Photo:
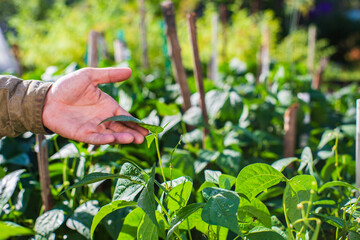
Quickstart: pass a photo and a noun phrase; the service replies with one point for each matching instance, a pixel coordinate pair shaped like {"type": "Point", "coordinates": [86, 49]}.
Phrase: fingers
{"type": "Point", "coordinates": [120, 128]}
{"type": "Point", "coordinates": [106, 138]}
{"type": "Point", "coordinates": [107, 75]}
{"type": "Point", "coordinates": [141, 130]}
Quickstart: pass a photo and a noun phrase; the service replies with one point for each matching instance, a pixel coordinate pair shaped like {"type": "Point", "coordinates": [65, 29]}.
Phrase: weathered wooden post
{"type": "Point", "coordinates": [317, 79]}
{"type": "Point", "coordinates": [357, 145]}
{"type": "Point", "coordinates": [145, 59]}
{"type": "Point", "coordinates": [43, 165]}
{"type": "Point", "coordinates": [103, 46]}
{"type": "Point", "coordinates": [197, 70]}
{"type": "Point", "coordinates": [213, 66]}
{"type": "Point", "coordinates": [290, 130]}
{"type": "Point", "coordinates": [311, 49]}
{"type": "Point", "coordinates": [93, 53]}
{"type": "Point", "coordinates": [264, 61]}
{"type": "Point", "coordinates": [168, 10]}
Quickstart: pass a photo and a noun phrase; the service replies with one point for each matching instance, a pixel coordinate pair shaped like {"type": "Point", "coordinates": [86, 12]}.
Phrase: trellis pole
{"type": "Point", "coordinates": [144, 46]}
{"type": "Point", "coordinates": [168, 10]}
{"type": "Point", "coordinates": [197, 70]}
{"type": "Point", "coordinates": [93, 53]}
{"type": "Point", "coordinates": [311, 49]}
{"type": "Point", "coordinates": [290, 130]}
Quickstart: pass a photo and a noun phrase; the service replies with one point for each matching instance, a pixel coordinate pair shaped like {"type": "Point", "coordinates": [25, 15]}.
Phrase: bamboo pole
{"type": "Point", "coordinates": [197, 70]}
{"type": "Point", "coordinates": [93, 53]}
{"type": "Point", "coordinates": [290, 130]}
{"type": "Point", "coordinates": [317, 80]}
{"type": "Point", "coordinates": [357, 145]}
{"type": "Point", "coordinates": [104, 49]}
{"type": "Point", "coordinates": [264, 61]}
{"type": "Point", "coordinates": [168, 10]}
{"type": "Point", "coordinates": [144, 46]}
{"type": "Point", "coordinates": [311, 49]}
{"type": "Point", "coordinates": [43, 165]}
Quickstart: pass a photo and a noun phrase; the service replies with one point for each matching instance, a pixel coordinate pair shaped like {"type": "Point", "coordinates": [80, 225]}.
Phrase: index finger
{"type": "Point", "coordinates": [108, 75]}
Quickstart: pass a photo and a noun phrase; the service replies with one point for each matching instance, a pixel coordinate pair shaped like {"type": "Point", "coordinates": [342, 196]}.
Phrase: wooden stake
{"type": "Point", "coordinates": [290, 130]}
{"type": "Point", "coordinates": [317, 80]}
{"type": "Point", "coordinates": [213, 68]}
{"type": "Point", "coordinates": [175, 52]}
{"type": "Point", "coordinates": [145, 60]}
{"type": "Point", "coordinates": [311, 49]}
{"type": "Point", "coordinates": [102, 43]}
{"type": "Point", "coordinates": [43, 165]}
{"type": "Point", "coordinates": [197, 70]}
{"type": "Point", "coordinates": [93, 53]}
{"type": "Point", "coordinates": [264, 65]}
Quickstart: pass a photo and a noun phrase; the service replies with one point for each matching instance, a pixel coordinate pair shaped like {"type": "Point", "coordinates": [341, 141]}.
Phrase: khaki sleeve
{"type": "Point", "coordinates": [21, 106]}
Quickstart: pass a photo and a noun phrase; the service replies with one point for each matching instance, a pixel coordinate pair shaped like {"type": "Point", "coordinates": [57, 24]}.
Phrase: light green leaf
{"type": "Point", "coordinates": [193, 116]}
{"type": "Point", "coordinates": [182, 215]}
{"type": "Point", "coordinates": [178, 197]}
{"type": "Point", "coordinates": [221, 210]}
{"type": "Point", "coordinates": [131, 223]}
{"type": "Point", "coordinates": [128, 189]}
{"type": "Point", "coordinates": [147, 230]}
{"type": "Point", "coordinates": [257, 177]}
{"type": "Point", "coordinates": [327, 136]}
{"type": "Point", "coordinates": [281, 164]}
{"type": "Point", "coordinates": [95, 177]}
{"type": "Point", "coordinates": [8, 186]}
{"type": "Point", "coordinates": [297, 192]}
{"type": "Point", "coordinates": [167, 109]}
{"type": "Point", "coordinates": [263, 233]}
{"type": "Point", "coordinates": [123, 118]}
{"type": "Point", "coordinates": [146, 199]}
{"type": "Point", "coordinates": [306, 160]}
{"type": "Point", "coordinates": [107, 209]}
{"type": "Point", "coordinates": [49, 221]}
{"type": "Point", "coordinates": [337, 184]}
{"type": "Point", "coordinates": [212, 176]}
{"type": "Point", "coordinates": [125, 100]}
{"type": "Point", "coordinates": [10, 229]}
{"type": "Point", "coordinates": [149, 139]}
{"type": "Point", "coordinates": [226, 181]}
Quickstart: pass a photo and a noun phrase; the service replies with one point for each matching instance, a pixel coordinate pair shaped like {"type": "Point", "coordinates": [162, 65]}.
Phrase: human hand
{"type": "Point", "coordinates": [74, 106]}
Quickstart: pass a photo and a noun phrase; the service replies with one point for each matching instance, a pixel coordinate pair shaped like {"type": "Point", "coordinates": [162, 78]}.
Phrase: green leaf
{"type": "Point", "coordinates": [229, 161]}
{"type": "Point", "coordinates": [146, 199]}
{"type": "Point", "coordinates": [193, 116]}
{"type": "Point", "coordinates": [95, 177]}
{"type": "Point", "coordinates": [306, 160]}
{"type": "Point", "coordinates": [332, 220]}
{"type": "Point", "coordinates": [149, 139]}
{"type": "Point", "coordinates": [147, 230]}
{"type": "Point", "coordinates": [226, 181]}
{"type": "Point", "coordinates": [212, 176]}
{"type": "Point", "coordinates": [131, 223]}
{"type": "Point", "coordinates": [221, 210]}
{"type": "Point", "coordinates": [8, 186]}
{"type": "Point", "coordinates": [257, 177]}
{"type": "Point", "coordinates": [10, 229]}
{"type": "Point", "coordinates": [298, 192]}
{"type": "Point", "coordinates": [128, 189]}
{"type": "Point", "coordinates": [82, 218]}
{"type": "Point", "coordinates": [327, 136]}
{"type": "Point", "coordinates": [167, 109]}
{"type": "Point", "coordinates": [337, 184]}
{"type": "Point", "coordinates": [182, 215]}
{"type": "Point", "coordinates": [49, 221]}
{"type": "Point", "coordinates": [123, 118]}
{"type": "Point", "coordinates": [281, 164]}
{"type": "Point", "coordinates": [253, 213]}
{"type": "Point", "coordinates": [263, 233]}
{"type": "Point", "coordinates": [178, 197]}
{"type": "Point", "coordinates": [107, 209]}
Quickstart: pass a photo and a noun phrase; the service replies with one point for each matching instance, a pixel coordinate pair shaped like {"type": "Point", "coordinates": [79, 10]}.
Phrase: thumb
{"type": "Point", "coordinates": [108, 75]}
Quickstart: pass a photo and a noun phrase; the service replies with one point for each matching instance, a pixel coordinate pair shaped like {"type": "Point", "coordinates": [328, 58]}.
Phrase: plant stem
{"type": "Point", "coordinates": [163, 208]}
{"type": "Point", "coordinates": [335, 149]}
{"type": "Point", "coordinates": [160, 163]}
{"type": "Point", "coordinates": [187, 220]}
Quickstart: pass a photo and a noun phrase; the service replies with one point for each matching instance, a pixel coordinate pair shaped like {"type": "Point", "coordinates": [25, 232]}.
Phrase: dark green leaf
{"type": "Point", "coordinates": [10, 229]}
{"type": "Point", "coordinates": [7, 186]}
{"type": "Point", "coordinates": [123, 118]}
{"type": "Point", "coordinates": [332, 220]}
{"type": "Point", "coordinates": [49, 221]}
{"type": "Point", "coordinates": [95, 177]}
{"type": "Point", "coordinates": [127, 189]}
{"type": "Point", "coordinates": [146, 199]}
{"type": "Point", "coordinates": [221, 210]}
{"type": "Point", "coordinates": [257, 177]}
{"type": "Point", "coordinates": [107, 209]}
{"type": "Point", "coordinates": [182, 215]}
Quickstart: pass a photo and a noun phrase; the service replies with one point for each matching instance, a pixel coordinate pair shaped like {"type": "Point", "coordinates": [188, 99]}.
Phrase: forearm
{"type": "Point", "coordinates": [21, 106]}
